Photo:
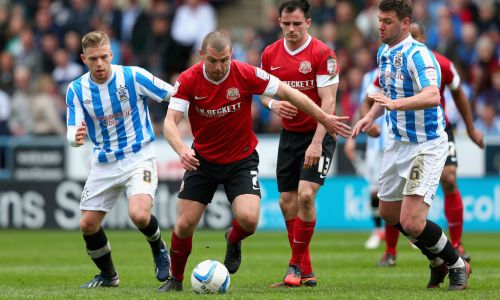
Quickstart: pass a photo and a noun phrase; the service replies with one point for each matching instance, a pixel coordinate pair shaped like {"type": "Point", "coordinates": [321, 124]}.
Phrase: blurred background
{"type": "Point", "coordinates": [41, 177]}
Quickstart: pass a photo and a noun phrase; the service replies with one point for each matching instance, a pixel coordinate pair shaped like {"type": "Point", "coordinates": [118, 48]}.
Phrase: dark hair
{"type": "Point", "coordinates": [403, 8]}
{"type": "Point", "coordinates": [292, 5]}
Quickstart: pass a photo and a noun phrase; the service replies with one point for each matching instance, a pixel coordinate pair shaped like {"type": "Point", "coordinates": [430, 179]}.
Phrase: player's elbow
{"type": "Point", "coordinates": [434, 97]}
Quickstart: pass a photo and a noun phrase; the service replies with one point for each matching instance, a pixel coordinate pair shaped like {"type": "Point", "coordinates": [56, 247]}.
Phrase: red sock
{"type": "Point", "coordinates": [290, 224]}
{"type": "Point", "coordinates": [302, 234]}
{"type": "Point", "coordinates": [237, 233]}
{"type": "Point", "coordinates": [454, 212]}
{"type": "Point", "coordinates": [391, 239]}
{"type": "Point", "coordinates": [179, 253]}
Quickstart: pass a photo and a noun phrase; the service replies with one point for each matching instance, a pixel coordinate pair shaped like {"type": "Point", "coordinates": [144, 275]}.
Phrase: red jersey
{"type": "Point", "coordinates": [311, 66]}
{"type": "Point", "coordinates": [220, 112]}
{"type": "Point", "coordinates": [449, 77]}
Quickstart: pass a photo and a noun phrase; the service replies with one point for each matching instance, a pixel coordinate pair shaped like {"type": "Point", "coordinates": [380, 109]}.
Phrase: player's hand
{"type": "Point", "coordinates": [81, 134]}
{"type": "Point", "coordinates": [313, 153]}
{"type": "Point", "coordinates": [335, 125]}
{"type": "Point", "coordinates": [383, 101]}
{"type": "Point", "coordinates": [374, 131]}
{"type": "Point", "coordinates": [477, 137]}
{"type": "Point", "coordinates": [188, 159]}
{"type": "Point", "coordinates": [350, 149]}
{"type": "Point", "coordinates": [284, 109]}
{"type": "Point", "coordinates": [363, 125]}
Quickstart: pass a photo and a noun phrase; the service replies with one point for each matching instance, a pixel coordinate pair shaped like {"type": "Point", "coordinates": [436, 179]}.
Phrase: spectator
{"type": "Point", "coordinates": [4, 114]}
{"type": "Point", "coordinates": [21, 121]}
{"type": "Point", "coordinates": [45, 107]}
{"type": "Point", "coordinates": [65, 71]}
{"type": "Point", "coordinates": [489, 121]}
{"type": "Point", "coordinates": [7, 72]}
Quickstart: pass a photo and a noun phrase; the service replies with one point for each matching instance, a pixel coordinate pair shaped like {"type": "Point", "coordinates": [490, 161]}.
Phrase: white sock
{"type": "Point", "coordinates": [459, 264]}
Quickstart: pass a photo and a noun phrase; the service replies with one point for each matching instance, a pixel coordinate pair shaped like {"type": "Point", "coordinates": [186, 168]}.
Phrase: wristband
{"type": "Point", "coordinates": [270, 104]}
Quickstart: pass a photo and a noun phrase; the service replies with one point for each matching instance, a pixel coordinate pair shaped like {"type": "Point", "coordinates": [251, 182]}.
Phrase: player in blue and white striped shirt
{"type": "Point", "coordinates": [415, 155]}
{"type": "Point", "coordinates": [109, 104]}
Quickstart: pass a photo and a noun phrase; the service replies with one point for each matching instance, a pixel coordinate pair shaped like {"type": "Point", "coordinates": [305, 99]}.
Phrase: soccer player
{"type": "Point", "coordinates": [453, 205]}
{"type": "Point", "coordinates": [375, 142]}
{"type": "Point", "coordinates": [305, 150]}
{"type": "Point", "coordinates": [109, 104]}
{"type": "Point", "coordinates": [415, 154]}
{"type": "Point", "coordinates": [217, 92]}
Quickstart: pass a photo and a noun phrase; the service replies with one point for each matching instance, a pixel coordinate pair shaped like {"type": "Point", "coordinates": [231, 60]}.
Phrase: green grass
{"type": "Point", "coordinates": [52, 265]}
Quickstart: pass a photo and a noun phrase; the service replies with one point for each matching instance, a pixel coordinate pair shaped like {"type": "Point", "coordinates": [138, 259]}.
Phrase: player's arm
{"type": "Point", "coordinates": [427, 98]}
{"type": "Point", "coordinates": [76, 127]}
{"type": "Point", "coordinates": [280, 107]}
{"type": "Point", "coordinates": [327, 95]}
{"type": "Point", "coordinates": [151, 86]}
{"type": "Point", "coordinates": [463, 107]}
{"type": "Point", "coordinates": [365, 124]}
{"type": "Point", "coordinates": [173, 136]}
{"type": "Point", "coordinates": [333, 124]}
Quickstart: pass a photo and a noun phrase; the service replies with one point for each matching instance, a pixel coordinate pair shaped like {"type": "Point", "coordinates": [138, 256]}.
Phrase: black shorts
{"type": "Point", "coordinates": [451, 160]}
{"type": "Point", "coordinates": [290, 165]}
{"type": "Point", "coordinates": [238, 178]}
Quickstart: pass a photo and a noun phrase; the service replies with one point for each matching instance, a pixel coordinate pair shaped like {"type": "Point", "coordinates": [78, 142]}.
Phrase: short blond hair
{"type": "Point", "coordinates": [95, 39]}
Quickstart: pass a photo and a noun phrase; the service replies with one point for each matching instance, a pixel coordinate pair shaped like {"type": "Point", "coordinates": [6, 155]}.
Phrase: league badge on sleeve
{"type": "Point", "coordinates": [331, 65]}
{"type": "Point", "coordinates": [122, 93]}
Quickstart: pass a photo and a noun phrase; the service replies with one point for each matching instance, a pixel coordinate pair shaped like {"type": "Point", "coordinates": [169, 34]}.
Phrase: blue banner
{"type": "Point", "coordinates": [344, 203]}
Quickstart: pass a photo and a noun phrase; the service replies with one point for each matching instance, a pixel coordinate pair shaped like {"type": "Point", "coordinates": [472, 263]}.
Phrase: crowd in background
{"type": "Point", "coordinates": [40, 50]}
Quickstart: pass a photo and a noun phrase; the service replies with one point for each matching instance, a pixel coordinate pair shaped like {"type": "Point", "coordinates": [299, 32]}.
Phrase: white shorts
{"type": "Point", "coordinates": [372, 168]}
{"type": "Point", "coordinates": [136, 173]}
{"type": "Point", "coordinates": [412, 169]}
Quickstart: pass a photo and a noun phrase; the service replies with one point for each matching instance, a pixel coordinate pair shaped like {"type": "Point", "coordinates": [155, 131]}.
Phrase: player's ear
{"type": "Point", "coordinates": [83, 58]}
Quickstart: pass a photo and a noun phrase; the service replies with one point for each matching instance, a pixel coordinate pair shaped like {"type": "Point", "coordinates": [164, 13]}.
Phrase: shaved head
{"type": "Point", "coordinates": [217, 40]}
{"type": "Point", "coordinates": [417, 31]}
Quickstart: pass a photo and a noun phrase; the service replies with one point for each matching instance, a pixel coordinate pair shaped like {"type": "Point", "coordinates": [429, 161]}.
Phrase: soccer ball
{"type": "Point", "coordinates": [210, 277]}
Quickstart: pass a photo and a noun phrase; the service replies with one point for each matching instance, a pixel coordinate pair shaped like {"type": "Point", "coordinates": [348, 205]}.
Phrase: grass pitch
{"type": "Point", "coordinates": [52, 265]}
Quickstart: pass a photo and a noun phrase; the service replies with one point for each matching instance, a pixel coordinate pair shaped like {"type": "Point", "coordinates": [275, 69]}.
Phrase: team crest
{"type": "Point", "coordinates": [398, 60]}
{"type": "Point", "coordinates": [305, 67]}
{"type": "Point", "coordinates": [122, 94]}
{"type": "Point", "coordinates": [331, 65]}
{"type": "Point", "coordinates": [233, 93]}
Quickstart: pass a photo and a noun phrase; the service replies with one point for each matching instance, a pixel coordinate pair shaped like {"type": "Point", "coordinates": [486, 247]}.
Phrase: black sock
{"type": "Point", "coordinates": [99, 250]}
{"type": "Point", "coordinates": [376, 215]}
{"type": "Point", "coordinates": [153, 235]}
{"type": "Point", "coordinates": [423, 249]}
{"type": "Point", "coordinates": [433, 238]}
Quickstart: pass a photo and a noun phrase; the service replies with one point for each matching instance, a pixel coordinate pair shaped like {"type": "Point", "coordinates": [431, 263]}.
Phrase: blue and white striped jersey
{"type": "Point", "coordinates": [367, 87]}
{"type": "Point", "coordinates": [116, 111]}
{"type": "Point", "coordinates": [405, 69]}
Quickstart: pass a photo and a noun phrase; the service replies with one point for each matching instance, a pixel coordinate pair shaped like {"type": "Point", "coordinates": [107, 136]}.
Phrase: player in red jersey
{"type": "Point", "coordinates": [453, 206]}
{"type": "Point", "coordinates": [219, 92]}
{"type": "Point", "coordinates": [305, 150]}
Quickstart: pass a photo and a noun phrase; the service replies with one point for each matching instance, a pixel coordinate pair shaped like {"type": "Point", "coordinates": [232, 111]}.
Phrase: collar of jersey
{"type": "Point", "coordinates": [298, 50]}
{"type": "Point", "coordinates": [212, 81]}
{"type": "Point", "coordinates": [409, 39]}
{"type": "Point", "coordinates": [107, 80]}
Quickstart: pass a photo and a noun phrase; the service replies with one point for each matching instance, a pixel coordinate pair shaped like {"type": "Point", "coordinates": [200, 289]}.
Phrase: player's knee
{"type": "Point", "coordinates": [449, 182]}
{"type": "Point", "coordinates": [306, 198]}
{"type": "Point", "coordinates": [140, 218]}
{"type": "Point", "coordinates": [185, 226]}
{"type": "Point", "coordinates": [89, 227]}
{"type": "Point", "coordinates": [248, 221]}
{"type": "Point", "coordinates": [413, 227]}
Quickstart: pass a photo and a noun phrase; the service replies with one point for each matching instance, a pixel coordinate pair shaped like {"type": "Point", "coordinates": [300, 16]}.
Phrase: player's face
{"type": "Point", "coordinates": [390, 28]}
{"type": "Point", "coordinates": [216, 63]}
{"type": "Point", "coordinates": [294, 25]}
{"type": "Point", "coordinates": [98, 60]}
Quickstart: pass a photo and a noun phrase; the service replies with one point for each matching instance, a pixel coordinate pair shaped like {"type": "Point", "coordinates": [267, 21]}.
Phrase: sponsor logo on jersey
{"type": "Point", "coordinates": [398, 60]}
{"type": "Point", "coordinates": [331, 65]}
{"type": "Point", "coordinates": [232, 93]}
{"type": "Point", "coordinates": [87, 101]}
{"type": "Point", "coordinates": [200, 97]}
{"type": "Point", "coordinates": [305, 67]}
{"type": "Point", "coordinates": [275, 68]}
{"type": "Point", "coordinates": [217, 113]}
{"type": "Point", "coordinates": [301, 85]}
{"type": "Point", "coordinates": [122, 94]}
